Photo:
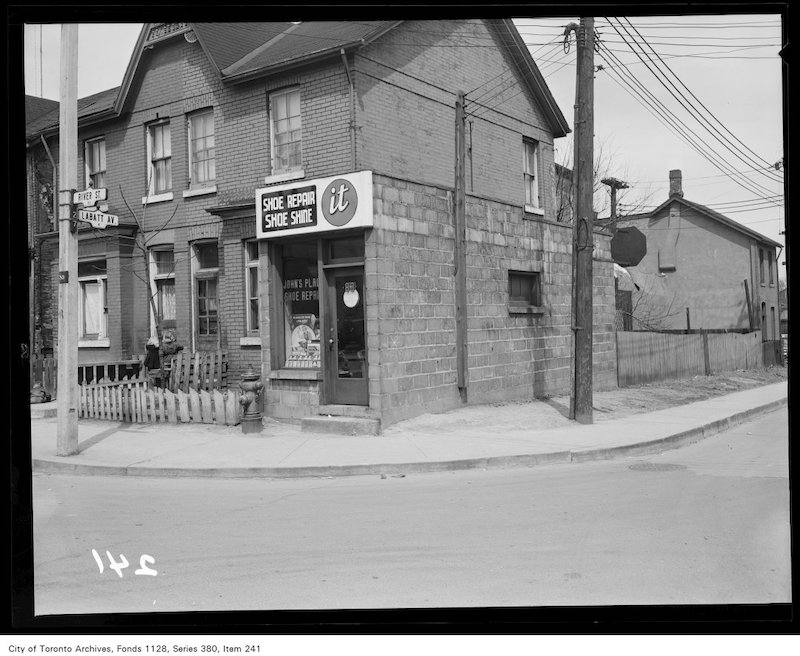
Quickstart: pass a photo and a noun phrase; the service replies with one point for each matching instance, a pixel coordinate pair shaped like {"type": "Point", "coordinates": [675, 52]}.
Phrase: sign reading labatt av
{"type": "Point", "coordinates": [311, 206]}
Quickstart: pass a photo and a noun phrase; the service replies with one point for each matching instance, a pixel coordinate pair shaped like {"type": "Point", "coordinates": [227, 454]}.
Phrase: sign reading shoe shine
{"type": "Point", "coordinates": [312, 206]}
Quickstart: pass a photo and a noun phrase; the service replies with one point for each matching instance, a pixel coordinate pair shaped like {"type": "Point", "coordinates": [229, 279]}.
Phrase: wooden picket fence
{"type": "Point", "coordinates": [201, 370]}
{"type": "Point", "coordinates": [135, 400]}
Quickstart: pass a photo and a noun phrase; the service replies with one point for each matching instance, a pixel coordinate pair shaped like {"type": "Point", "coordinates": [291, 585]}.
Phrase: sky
{"type": "Point", "coordinates": [714, 79]}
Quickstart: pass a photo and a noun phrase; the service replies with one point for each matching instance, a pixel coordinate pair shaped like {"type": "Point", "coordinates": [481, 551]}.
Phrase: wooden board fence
{"type": "Point", "coordinates": [206, 370]}
{"type": "Point", "coordinates": [648, 357]}
{"type": "Point", "coordinates": [137, 402]}
{"type": "Point", "coordinates": [644, 357]}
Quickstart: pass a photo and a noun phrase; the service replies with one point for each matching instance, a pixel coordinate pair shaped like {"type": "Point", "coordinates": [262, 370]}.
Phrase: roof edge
{"type": "Point", "coordinates": [541, 91]}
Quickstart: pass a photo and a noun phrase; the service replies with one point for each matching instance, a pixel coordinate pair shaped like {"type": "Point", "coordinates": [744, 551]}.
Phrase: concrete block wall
{"type": "Point", "coordinates": [411, 308]}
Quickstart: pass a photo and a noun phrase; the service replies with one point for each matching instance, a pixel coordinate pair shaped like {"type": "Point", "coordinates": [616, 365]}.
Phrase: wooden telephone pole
{"type": "Point", "coordinates": [67, 402]}
{"type": "Point", "coordinates": [460, 222]}
{"type": "Point", "coordinates": [583, 225]}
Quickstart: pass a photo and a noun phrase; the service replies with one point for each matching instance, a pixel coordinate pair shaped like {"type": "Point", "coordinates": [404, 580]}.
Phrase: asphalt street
{"type": "Point", "coordinates": [708, 523]}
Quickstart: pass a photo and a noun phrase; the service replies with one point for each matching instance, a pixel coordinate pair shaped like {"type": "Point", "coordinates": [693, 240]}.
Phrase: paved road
{"type": "Point", "coordinates": [704, 524]}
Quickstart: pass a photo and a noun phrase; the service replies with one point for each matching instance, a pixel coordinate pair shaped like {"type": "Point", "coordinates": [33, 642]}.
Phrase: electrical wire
{"type": "Point", "coordinates": [668, 118]}
{"type": "Point", "coordinates": [713, 116]}
{"type": "Point", "coordinates": [698, 117]}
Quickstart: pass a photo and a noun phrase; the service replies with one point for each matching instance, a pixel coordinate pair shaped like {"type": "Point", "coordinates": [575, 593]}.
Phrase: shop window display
{"type": "Point", "coordinates": [301, 305]}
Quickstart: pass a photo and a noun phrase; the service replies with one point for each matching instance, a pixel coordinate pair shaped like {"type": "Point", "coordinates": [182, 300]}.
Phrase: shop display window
{"type": "Point", "coordinates": [300, 283]}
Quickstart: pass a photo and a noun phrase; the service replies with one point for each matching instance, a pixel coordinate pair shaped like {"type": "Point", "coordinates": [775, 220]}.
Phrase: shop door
{"type": "Point", "coordinates": [346, 379]}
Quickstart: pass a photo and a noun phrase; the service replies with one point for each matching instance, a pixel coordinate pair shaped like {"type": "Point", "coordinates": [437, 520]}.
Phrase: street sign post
{"type": "Point", "coordinates": [89, 196]}
{"type": "Point", "coordinates": [98, 219]}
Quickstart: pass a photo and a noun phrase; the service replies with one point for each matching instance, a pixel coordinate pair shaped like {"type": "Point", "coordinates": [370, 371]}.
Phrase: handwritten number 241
{"type": "Point", "coordinates": [143, 570]}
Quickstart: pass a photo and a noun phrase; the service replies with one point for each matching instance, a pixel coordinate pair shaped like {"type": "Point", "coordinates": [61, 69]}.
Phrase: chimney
{"type": "Point", "coordinates": [675, 183]}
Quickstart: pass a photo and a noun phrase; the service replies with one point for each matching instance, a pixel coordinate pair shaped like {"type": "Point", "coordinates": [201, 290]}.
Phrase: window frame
{"type": "Point", "coordinates": [154, 192]}
{"type": "Point", "coordinates": [250, 295]}
{"type": "Point", "coordinates": [536, 207]}
{"type": "Point", "coordinates": [520, 305]}
{"type": "Point", "coordinates": [275, 169]}
{"type": "Point", "coordinates": [88, 161]}
{"type": "Point", "coordinates": [101, 338]}
{"type": "Point", "coordinates": [203, 274]}
{"type": "Point", "coordinates": [194, 183]}
{"type": "Point", "coordinates": [155, 278]}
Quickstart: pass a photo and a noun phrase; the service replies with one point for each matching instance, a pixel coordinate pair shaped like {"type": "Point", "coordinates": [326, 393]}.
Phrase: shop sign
{"type": "Point", "coordinates": [314, 206]}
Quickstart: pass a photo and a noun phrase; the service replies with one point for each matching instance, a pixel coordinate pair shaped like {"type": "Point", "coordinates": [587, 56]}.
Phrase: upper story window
{"type": "Point", "coordinates": [771, 268]}
{"type": "Point", "coordinates": [286, 131]}
{"type": "Point", "coordinates": [159, 158]}
{"type": "Point", "coordinates": [202, 164]}
{"type": "Point", "coordinates": [531, 176]}
{"type": "Point", "coordinates": [95, 159]}
{"type": "Point", "coordinates": [761, 265]}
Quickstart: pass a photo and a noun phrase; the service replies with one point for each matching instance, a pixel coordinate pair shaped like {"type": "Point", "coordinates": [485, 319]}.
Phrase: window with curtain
{"type": "Point", "coordinates": [202, 163]}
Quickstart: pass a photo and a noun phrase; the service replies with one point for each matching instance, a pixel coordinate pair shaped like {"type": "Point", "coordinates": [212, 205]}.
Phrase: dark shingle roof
{"type": "Point", "coordinates": [88, 106]}
{"type": "Point", "coordinates": [227, 43]}
{"type": "Point", "coordinates": [308, 39]}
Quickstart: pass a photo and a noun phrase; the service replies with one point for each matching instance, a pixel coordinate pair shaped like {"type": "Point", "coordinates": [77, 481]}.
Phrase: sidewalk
{"type": "Point", "coordinates": [483, 437]}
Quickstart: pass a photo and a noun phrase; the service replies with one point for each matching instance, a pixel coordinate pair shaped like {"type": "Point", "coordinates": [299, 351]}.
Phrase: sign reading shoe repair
{"type": "Point", "coordinates": [314, 206]}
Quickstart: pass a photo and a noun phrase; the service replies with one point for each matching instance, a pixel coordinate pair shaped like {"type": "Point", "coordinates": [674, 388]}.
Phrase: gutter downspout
{"type": "Point", "coordinates": [55, 172]}
{"type": "Point", "coordinates": [351, 82]}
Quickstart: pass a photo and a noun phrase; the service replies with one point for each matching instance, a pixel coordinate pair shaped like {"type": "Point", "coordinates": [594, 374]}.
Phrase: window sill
{"type": "Point", "coordinates": [536, 310]}
{"type": "Point", "coordinates": [94, 343]}
{"type": "Point", "coordinates": [295, 374]}
{"type": "Point", "coordinates": [284, 177]}
{"type": "Point", "coordinates": [530, 209]}
{"type": "Point", "coordinates": [250, 340]}
{"type": "Point", "coordinates": [200, 191]}
{"type": "Point", "coordinates": [156, 198]}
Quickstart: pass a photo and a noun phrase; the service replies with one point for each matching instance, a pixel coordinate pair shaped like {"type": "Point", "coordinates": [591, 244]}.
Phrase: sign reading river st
{"type": "Point", "coordinates": [312, 206]}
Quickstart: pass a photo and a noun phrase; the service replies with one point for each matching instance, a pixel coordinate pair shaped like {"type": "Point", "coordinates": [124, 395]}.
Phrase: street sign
{"type": "Point", "coordinates": [628, 246]}
{"type": "Point", "coordinates": [98, 219]}
{"type": "Point", "coordinates": [90, 196]}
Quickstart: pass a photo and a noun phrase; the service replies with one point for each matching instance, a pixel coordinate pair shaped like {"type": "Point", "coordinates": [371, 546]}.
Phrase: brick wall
{"type": "Point", "coordinates": [406, 117]}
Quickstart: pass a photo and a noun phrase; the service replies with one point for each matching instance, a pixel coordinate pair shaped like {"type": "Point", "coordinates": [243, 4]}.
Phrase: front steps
{"type": "Point", "coordinates": [342, 420]}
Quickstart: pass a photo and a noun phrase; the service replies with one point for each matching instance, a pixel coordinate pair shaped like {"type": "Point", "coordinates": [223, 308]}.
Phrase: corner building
{"type": "Point", "coordinates": [312, 167]}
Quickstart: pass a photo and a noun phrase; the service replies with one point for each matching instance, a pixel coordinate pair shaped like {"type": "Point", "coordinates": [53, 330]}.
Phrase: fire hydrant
{"type": "Point", "coordinates": [251, 387]}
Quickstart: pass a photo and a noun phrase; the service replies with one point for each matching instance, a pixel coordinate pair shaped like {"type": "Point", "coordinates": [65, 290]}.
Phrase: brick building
{"type": "Point", "coordinates": [285, 193]}
{"type": "Point", "coordinates": [704, 266]}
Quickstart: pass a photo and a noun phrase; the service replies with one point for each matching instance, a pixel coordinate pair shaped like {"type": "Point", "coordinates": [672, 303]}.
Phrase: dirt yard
{"type": "Point", "coordinates": [610, 404]}
{"type": "Point", "coordinates": [625, 401]}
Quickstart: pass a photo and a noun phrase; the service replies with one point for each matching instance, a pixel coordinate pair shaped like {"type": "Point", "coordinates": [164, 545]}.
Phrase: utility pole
{"type": "Point", "coordinates": [67, 407]}
{"type": "Point", "coordinates": [460, 222]}
{"type": "Point", "coordinates": [583, 233]}
{"type": "Point", "coordinates": [614, 184]}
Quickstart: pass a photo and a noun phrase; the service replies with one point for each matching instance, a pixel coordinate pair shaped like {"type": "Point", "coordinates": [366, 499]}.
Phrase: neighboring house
{"type": "Point", "coordinates": [294, 186]}
{"type": "Point", "coordinates": [703, 270]}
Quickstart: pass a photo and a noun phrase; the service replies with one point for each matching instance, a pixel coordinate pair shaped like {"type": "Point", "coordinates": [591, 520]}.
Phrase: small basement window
{"type": "Point", "coordinates": [524, 292]}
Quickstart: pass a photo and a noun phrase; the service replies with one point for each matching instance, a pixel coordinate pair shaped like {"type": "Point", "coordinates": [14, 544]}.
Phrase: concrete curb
{"type": "Point", "coordinates": [675, 441]}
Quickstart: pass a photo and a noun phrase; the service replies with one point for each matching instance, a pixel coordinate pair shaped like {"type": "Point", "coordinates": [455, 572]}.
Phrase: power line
{"type": "Point", "coordinates": [720, 123]}
{"type": "Point", "coordinates": [693, 112]}
{"type": "Point", "coordinates": [673, 122]}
